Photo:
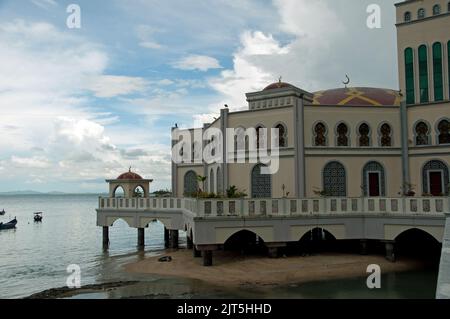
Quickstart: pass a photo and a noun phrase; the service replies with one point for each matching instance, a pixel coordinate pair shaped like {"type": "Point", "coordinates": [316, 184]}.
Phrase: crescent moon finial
{"type": "Point", "coordinates": [347, 81]}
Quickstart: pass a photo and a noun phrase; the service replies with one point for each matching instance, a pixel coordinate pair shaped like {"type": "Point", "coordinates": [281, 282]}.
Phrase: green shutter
{"type": "Point", "coordinates": [437, 72]}
{"type": "Point", "coordinates": [448, 58]}
{"type": "Point", "coordinates": [409, 76]}
{"type": "Point", "coordinates": [423, 74]}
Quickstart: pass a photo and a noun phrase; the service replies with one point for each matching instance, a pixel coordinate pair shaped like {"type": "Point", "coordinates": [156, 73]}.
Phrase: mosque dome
{"type": "Point", "coordinates": [358, 96]}
{"type": "Point", "coordinates": [129, 175]}
{"type": "Point", "coordinates": [277, 85]}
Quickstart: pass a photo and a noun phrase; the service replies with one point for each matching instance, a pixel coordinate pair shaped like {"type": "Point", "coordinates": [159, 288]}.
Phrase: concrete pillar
{"type": "Point", "coordinates": [273, 252]}
{"type": "Point", "coordinates": [166, 238]}
{"type": "Point", "coordinates": [363, 247]}
{"type": "Point", "coordinates": [390, 251]}
{"type": "Point", "coordinates": [105, 237]}
{"type": "Point", "coordinates": [141, 237]}
{"type": "Point", "coordinates": [173, 238]}
{"type": "Point", "coordinates": [207, 258]}
{"type": "Point", "coordinates": [443, 285]}
{"type": "Point", "coordinates": [196, 253]}
{"type": "Point", "coordinates": [189, 242]}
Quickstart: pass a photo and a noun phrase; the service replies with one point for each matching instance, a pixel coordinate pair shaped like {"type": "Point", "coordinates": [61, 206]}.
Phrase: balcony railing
{"type": "Point", "coordinates": [281, 206]}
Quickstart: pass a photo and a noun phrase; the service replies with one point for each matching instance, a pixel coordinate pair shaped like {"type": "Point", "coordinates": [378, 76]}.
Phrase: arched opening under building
{"type": "Point", "coordinates": [417, 244]}
{"type": "Point", "coordinates": [246, 243]}
{"type": "Point", "coordinates": [317, 240]}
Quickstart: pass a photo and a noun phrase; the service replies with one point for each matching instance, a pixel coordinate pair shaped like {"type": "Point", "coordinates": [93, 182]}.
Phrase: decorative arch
{"type": "Point", "coordinates": [421, 13]}
{"type": "Point", "coordinates": [261, 184]}
{"type": "Point", "coordinates": [282, 134]}
{"type": "Point", "coordinates": [190, 183]}
{"type": "Point", "coordinates": [423, 74]}
{"type": "Point", "coordinates": [364, 134]}
{"type": "Point", "coordinates": [227, 234]}
{"type": "Point", "coordinates": [211, 181]}
{"type": "Point", "coordinates": [115, 191]}
{"type": "Point", "coordinates": [334, 179]}
{"type": "Point", "coordinates": [342, 134]}
{"type": "Point", "coordinates": [409, 76]}
{"type": "Point", "coordinates": [144, 192]}
{"type": "Point", "coordinates": [129, 220]}
{"type": "Point", "coordinates": [436, 9]}
{"type": "Point", "coordinates": [374, 179]}
{"type": "Point", "coordinates": [407, 16]}
{"type": "Point", "coordinates": [385, 134]}
{"type": "Point", "coordinates": [436, 232]}
{"type": "Point", "coordinates": [443, 131]}
{"type": "Point", "coordinates": [435, 178]}
{"type": "Point", "coordinates": [421, 133]}
{"type": "Point", "coordinates": [320, 132]}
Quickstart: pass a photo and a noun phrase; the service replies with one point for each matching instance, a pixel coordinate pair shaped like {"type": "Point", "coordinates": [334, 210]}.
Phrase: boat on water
{"type": "Point", "coordinates": [38, 217]}
{"type": "Point", "coordinates": [2, 212]}
{"type": "Point", "coordinates": [10, 225]}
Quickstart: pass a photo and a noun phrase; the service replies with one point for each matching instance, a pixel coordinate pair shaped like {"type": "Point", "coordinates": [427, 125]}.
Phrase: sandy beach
{"type": "Point", "coordinates": [231, 269]}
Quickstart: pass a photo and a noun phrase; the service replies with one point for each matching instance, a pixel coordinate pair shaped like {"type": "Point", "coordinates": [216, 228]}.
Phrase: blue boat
{"type": "Point", "coordinates": [10, 225]}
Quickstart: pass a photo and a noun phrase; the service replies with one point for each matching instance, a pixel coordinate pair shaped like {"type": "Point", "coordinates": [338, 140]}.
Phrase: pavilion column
{"type": "Point", "coordinates": [174, 238]}
{"type": "Point", "coordinates": [189, 242]}
{"type": "Point", "coordinates": [166, 238]}
{"type": "Point", "coordinates": [141, 237]}
{"type": "Point", "coordinates": [196, 253]}
{"type": "Point", "coordinates": [105, 237]}
{"type": "Point", "coordinates": [363, 246]}
{"type": "Point", "coordinates": [390, 255]}
{"type": "Point", "coordinates": [273, 249]}
{"type": "Point", "coordinates": [207, 258]}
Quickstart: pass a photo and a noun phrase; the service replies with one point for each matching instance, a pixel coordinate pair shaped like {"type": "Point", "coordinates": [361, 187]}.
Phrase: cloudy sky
{"type": "Point", "coordinates": [81, 105]}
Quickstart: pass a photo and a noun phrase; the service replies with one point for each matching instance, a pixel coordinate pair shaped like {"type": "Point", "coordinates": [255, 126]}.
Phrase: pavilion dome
{"type": "Point", "coordinates": [129, 175]}
{"type": "Point", "coordinates": [277, 85]}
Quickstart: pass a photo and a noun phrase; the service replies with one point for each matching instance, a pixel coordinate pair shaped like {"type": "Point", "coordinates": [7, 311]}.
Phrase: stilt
{"type": "Point", "coordinates": [273, 252]}
{"type": "Point", "coordinates": [189, 242]}
{"type": "Point", "coordinates": [207, 258]}
{"type": "Point", "coordinates": [105, 237]}
{"type": "Point", "coordinates": [166, 238]}
{"type": "Point", "coordinates": [141, 237]}
{"type": "Point", "coordinates": [390, 255]}
{"type": "Point", "coordinates": [363, 246]}
{"type": "Point", "coordinates": [174, 238]}
{"type": "Point", "coordinates": [197, 253]}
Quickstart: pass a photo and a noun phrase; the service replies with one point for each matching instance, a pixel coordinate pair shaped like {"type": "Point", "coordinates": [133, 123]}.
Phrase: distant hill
{"type": "Point", "coordinates": [28, 192]}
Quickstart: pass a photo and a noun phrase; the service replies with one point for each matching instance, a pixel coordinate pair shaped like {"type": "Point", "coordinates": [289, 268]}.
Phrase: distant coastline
{"type": "Point", "coordinates": [26, 193]}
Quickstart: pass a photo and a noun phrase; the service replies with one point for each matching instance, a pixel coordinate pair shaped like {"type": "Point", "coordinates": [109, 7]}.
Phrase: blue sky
{"type": "Point", "coordinates": [81, 105]}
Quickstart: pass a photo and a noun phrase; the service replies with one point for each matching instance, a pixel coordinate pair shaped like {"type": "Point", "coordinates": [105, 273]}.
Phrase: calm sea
{"type": "Point", "coordinates": [34, 257]}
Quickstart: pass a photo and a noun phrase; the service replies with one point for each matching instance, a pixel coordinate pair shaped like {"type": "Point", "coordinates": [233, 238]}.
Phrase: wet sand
{"type": "Point", "coordinates": [231, 269]}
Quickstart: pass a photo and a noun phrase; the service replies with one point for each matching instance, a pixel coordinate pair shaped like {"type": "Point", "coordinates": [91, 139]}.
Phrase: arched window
{"type": "Point", "coordinates": [190, 183]}
{"type": "Point", "coordinates": [423, 74]}
{"type": "Point", "coordinates": [374, 183]}
{"type": "Point", "coordinates": [409, 76]}
{"type": "Point", "coordinates": [385, 132]}
{"type": "Point", "coordinates": [437, 72]}
{"type": "Point", "coordinates": [211, 181]}
{"type": "Point", "coordinates": [261, 183]}
{"type": "Point", "coordinates": [118, 192]}
{"type": "Point", "coordinates": [421, 13]}
{"type": "Point", "coordinates": [407, 16]}
{"type": "Point", "coordinates": [320, 134]}
{"type": "Point", "coordinates": [422, 134]}
{"type": "Point", "coordinates": [334, 180]}
{"type": "Point", "coordinates": [260, 137]}
{"type": "Point", "coordinates": [436, 9]}
{"type": "Point", "coordinates": [219, 181]}
{"type": "Point", "coordinates": [342, 135]}
{"type": "Point", "coordinates": [139, 191]}
{"type": "Point", "coordinates": [364, 134]}
{"type": "Point", "coordinates": [448, 7]}
{"type": "Point", "coordinates": [282, 135]}
{"type": "Point", "coordinates": [435, 178]}
{"type": "Point", "coordinates": [239, 139]}
{"type": "Point", "coordinates": [444, 132]}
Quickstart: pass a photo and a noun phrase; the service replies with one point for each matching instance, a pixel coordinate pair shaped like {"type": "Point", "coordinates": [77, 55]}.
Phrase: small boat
{"type": "Point", "coordinates": [38, 217]}
{"type": "Point", "coordinates": [10, 225]}
{"type": "Point", "coordinates": [2, 212]}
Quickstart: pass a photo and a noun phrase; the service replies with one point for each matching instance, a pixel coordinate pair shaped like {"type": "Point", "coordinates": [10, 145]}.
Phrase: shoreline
{"type": "Point", "coordinates": [232, 270]}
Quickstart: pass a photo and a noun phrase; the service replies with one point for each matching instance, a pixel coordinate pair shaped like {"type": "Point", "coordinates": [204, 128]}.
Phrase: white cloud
{"type": "Point", "coordinates": [45, 3]}
{"type": "Point", "coordinates": [197, 62]}
{"type": "Point", "coordinates": [257, 43]}
{"type": "Point", "coordinates": [111, 86]}
{"type": "Point", "coordinates": [30, 162]}
{"type": "Point", "coordinates": [146, 34]}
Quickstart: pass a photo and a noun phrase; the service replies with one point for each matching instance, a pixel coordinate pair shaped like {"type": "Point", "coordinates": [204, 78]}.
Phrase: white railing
{"type": "Point", "coordinates": [282, 206]}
